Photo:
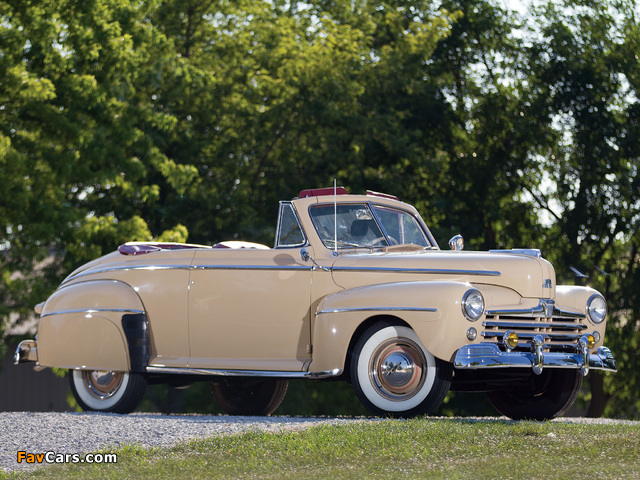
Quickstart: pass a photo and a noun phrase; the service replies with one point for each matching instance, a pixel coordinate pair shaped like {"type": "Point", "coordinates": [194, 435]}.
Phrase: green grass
{"type": "Point", "coordinates": [423, 448]}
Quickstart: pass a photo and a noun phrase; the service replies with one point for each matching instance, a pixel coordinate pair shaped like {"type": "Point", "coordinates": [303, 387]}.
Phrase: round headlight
{"type": "Point", "coordinates": [472, 305]}
{"type": "Point", "coordinates": [596, 308]}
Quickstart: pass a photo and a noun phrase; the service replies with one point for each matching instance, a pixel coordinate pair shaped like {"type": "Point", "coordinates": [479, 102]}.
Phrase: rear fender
{"type": "Point", "coordinates": [97, 325]}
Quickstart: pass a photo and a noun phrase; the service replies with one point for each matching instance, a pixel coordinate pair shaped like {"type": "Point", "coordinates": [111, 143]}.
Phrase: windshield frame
{"type": "Point", "coordinates": [371, 207]}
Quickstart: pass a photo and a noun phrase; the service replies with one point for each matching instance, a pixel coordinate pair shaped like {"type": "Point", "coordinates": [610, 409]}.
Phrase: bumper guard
{"type": "Point", "coordinates": [26, 351]}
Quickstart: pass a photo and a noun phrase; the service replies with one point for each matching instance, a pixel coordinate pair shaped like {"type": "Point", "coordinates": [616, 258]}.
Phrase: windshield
{"type": "Point", "coordinates": [366, 225]}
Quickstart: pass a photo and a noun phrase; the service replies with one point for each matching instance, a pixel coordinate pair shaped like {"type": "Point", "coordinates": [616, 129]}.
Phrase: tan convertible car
{"type": "Point", "coordinates": [355, 288]}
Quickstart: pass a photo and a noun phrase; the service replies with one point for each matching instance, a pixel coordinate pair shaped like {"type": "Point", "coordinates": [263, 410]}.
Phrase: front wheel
{"type": "Point", "coordinates": [393, 373]}
{"type": "Point", "coordinates": [106, 390]}
{"type": "Point", "coordinates": [247, 396]}
{"type": "Point", "coordinates": [542, 397]}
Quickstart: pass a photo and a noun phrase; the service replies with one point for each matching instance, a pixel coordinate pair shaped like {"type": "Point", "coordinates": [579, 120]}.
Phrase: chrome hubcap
{"type": "Point", "coordinates": [102, 383]}
{"type": "Point", "coordinates": [397, 369]}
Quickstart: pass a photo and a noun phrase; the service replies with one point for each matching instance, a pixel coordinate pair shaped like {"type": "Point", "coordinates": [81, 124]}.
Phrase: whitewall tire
{"type": "Point", "coordinates": [393, 373]}
{"type": "Point", "coordinates": [107, 391]}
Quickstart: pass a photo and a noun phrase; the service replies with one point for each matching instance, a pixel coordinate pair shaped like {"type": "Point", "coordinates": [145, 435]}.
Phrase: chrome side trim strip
{"type": "Point", "coordinates": [126, 268]}
{"type": "Point", "coordinates": [425, 271]}
{"type": "Point", "coordinates": [243, 373]}
{"type": "Point", "coordinates": [377, 309]}
{"type": "Point", "coordinates": [531, 252]}
{"type": "Point", "coordinates": [93, 310]}
{"type": "Point", "coordinates": [251, 267]}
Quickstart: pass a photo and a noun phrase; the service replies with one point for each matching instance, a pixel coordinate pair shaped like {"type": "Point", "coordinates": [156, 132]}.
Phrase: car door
{"type": "Point", "coordinates": [249, 310]}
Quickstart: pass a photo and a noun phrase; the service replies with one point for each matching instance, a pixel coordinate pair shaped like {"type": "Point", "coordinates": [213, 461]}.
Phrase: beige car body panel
{"type": "Point", "coordinates": [80, 326]}
{"type": "Point", "coordinates": [269, 310]}
{"type": "Point", "coordinates": [249, 309]}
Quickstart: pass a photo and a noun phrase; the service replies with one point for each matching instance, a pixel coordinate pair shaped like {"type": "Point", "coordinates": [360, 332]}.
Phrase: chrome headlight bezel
{"type": "Point", "coordinates": [596, 309]}
{"type": "Point", "coordinates": [473, 305]}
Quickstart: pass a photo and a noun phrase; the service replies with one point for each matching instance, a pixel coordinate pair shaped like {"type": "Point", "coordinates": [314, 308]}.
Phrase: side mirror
{"type": "Point", "coordinates": [306, 256]}
{"type": "Point", "coordinates": [456, 243]}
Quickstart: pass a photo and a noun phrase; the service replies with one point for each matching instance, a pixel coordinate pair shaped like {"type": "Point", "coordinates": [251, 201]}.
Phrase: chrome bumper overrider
{"type": "Point", "coordinates": [489, 355]}
{"type": "Point", "coordinates": [26, 351]}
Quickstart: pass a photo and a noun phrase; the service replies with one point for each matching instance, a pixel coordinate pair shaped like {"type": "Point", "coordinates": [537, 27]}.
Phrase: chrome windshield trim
{"type": "Point", "coordinates": [93, 310]}
{"type": "Point", "coordinates": [242, 373]}
{"type": "Point", "coordinates": [424, 271]}
{"type": "Point", "coordinates": [546, 308]}
{"type": "Point", "coordinates": [378, 309]}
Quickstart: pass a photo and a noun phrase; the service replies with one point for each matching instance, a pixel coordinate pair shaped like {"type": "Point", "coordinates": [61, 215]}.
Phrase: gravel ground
{"type": "Point", "coordinates": [89, 432]}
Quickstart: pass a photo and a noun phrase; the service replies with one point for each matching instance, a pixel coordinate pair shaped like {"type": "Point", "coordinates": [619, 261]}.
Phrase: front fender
{"type": "Point", "coordinates": [97, 325]}
{"type": "Point", "coordinates": [574, 297]}
{"type": "Point", "coordinates": [432, 309]}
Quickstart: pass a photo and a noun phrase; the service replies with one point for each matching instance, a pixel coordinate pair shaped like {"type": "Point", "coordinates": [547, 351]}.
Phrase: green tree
{"type": "Point", "coordinates": [75, 158]}
{"type": "Point", "coordinates": [583, 80]}
{"type": "Point", "coordinates": [123, 120]}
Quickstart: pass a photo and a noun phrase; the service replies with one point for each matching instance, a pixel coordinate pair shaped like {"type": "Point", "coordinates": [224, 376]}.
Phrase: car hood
{"type": "Point", "coordinates": [526, 273]}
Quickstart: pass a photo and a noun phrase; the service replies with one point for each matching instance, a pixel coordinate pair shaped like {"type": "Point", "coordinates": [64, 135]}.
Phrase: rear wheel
{"type": "Point", "coordinates": [106, 390]}
{"type": "Point", "coordinates": [543, 397]}
{"type": "Point", "coordinates": [240, 396]}
{"type": "Point", "coordinates": [394, 374]}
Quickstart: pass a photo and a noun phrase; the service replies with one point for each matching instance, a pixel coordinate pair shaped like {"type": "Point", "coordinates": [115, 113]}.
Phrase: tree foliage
{"type": "Point", "coordinates": [123, 120]}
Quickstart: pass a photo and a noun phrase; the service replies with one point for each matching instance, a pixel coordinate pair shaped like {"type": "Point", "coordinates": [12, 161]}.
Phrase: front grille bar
{"type": "Point", "coordinates": [553, 337]}
{"type": "Point", "coordinates": [545, 308]}
{"type": "Point", "coordinates": [545, 326]}
{"type": "Point", "coordinates": [517, 325]}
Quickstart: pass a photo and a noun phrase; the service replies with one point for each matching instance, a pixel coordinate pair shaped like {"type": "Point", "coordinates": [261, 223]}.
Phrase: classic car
{"type": "Point", "coordinates": [355, 288]}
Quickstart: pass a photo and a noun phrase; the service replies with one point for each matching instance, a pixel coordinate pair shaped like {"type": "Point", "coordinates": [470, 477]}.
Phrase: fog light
{"type": "Point", "coordinates": [472, 333]}
{"type": "Point", "coordinates": [510, 339]}
{"type": "Point", "coordinates": [591, 341]}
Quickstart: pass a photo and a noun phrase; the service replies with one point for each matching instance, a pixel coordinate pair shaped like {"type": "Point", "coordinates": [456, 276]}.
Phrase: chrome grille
{"type": "Point", "coordinates": [559, 334]}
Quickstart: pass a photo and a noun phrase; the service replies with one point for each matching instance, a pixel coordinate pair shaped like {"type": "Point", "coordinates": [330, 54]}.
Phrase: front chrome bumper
{"type": "Point", "coordinates": [489, 355]}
